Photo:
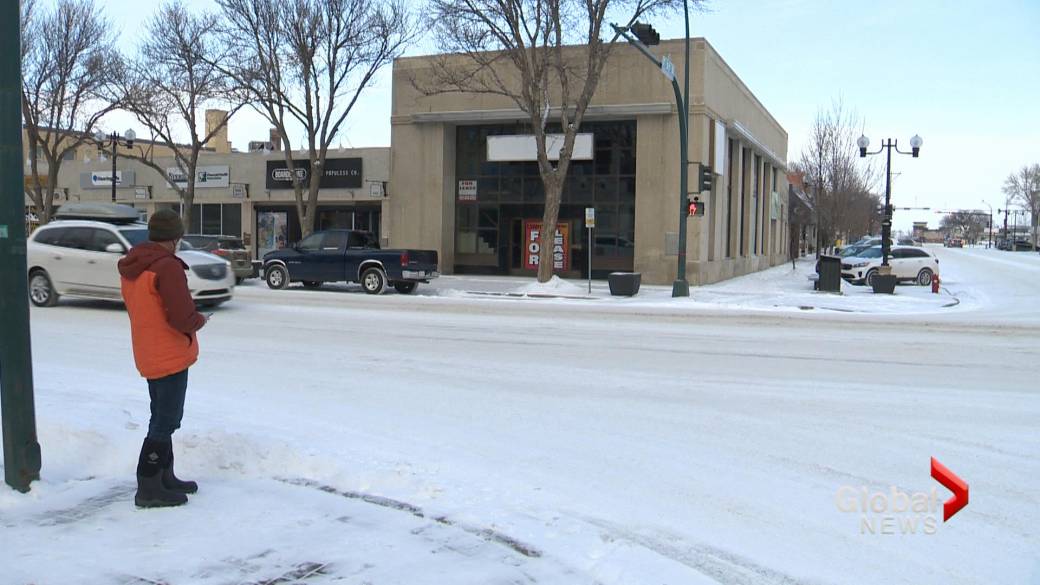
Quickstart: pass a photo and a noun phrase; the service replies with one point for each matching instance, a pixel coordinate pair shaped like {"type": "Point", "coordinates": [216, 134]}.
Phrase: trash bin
{"type": "Point", "coordinates": [624, 284]}
{"type": "Point", "coordinates": [830, 274]}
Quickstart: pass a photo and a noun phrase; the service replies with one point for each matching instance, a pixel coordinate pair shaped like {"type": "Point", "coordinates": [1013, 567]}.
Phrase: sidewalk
{"type": "Point", "coordinates": [780, 288]}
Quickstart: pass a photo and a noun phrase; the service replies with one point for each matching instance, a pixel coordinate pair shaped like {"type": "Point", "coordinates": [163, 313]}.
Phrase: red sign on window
{"type": "Point", "coordinates": [533, 245]}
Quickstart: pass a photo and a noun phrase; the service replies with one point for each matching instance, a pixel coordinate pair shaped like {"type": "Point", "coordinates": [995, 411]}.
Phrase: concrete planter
{"type": "Point", "coordinates": [624, 284]}
{"type": "Point", "coordinates": [884, 283]}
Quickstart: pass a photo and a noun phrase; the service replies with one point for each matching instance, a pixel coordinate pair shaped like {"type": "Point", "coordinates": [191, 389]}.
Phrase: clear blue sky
{"type": "Point", "coordinates": [963, 75]}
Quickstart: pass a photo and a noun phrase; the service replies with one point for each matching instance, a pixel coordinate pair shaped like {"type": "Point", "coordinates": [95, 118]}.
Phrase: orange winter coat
{"type": "Point", "coordinates": [163, 319]}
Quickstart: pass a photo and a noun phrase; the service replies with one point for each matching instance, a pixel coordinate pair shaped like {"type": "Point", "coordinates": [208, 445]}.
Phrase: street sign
{"type": "Point", "coordinates": [668, 68]}
{"type": "Point", "coordinates": [590, 217]}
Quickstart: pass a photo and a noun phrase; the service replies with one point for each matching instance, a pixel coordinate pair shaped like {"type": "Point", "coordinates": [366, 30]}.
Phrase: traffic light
{"type": "Point", "coordinates": [646, 34]}
{"type": "Point", "coordinates": [695, 207]}
{"type": "Point", "coordinates": [705, 178]}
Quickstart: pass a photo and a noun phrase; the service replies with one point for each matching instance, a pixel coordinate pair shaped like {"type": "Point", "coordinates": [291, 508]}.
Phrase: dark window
{"type": "Point", "coordinates": [103, 239]}
{"type": "Point", "coordinates": [311, 243]}
{"type": "Point", "coordinates": [358, 240]}
{"type": "Point", "coordinates": [919, 254]}
{"type": "Point", "coordinates": [334, 241]}
{"type": "Point", "coordinates": [78, 239]}
{"type": "Point", "coordinates": [231, 219]}
{"type": "Point", "coordinates": [135, 235]}
{"type": "Point", "coordinates": [51, 236]}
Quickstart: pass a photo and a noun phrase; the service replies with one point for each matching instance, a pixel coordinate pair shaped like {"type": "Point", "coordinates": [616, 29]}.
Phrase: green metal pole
{"type": "Point", "coordinates": [681, 287]}
{"type": "Point", "coordinates": [21, 450]}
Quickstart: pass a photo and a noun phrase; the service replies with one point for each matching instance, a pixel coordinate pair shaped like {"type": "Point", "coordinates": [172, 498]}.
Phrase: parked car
{"type": "Point", "coordinates": [1021, 245]}
{"type": "Point", "coordinates": [349, 256]}
{"type": "Point", "coordinates": [76, 255]}
{"type": "Point", "coordinates": [229, 248]}
{"type": "Point", "coordinates": [954, 243]}
{"type": "Point", "coordinates": [909, 264]}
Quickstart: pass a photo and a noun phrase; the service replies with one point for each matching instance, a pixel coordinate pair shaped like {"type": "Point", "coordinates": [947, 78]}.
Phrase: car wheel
{"type": "Point", "coordinates": [41, 291]}
{"type": "Point", "coordinates": [277, 277]}
{"type": "Point", "coordinates": [312, 283]}
{"type": "Point", "coordinates": [924, 277]}
{"type": "Point", "coordinates": [373, 281]}
{"type": "Point", "coordinates": [869, 278]}
{"type": "Point", "coordinates": [405, 288]}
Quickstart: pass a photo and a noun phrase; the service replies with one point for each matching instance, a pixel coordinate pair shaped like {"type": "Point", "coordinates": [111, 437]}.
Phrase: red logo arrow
{"type": "Point", "coordinates": [952, 483]}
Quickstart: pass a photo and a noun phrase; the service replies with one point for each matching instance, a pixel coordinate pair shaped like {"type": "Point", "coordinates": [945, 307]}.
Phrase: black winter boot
{"type": "Point", "coordinates": [169, 480]}
{"type": "Point", "coordinates": [150, 490]}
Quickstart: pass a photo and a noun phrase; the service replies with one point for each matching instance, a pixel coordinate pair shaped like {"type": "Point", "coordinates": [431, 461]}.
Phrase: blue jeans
{"type": "Point", "coordinates": [167, 404]}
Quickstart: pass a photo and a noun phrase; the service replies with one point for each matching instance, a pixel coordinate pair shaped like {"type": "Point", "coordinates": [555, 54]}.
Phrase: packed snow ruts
{"type": "Point", "coordinates": [486, 534]}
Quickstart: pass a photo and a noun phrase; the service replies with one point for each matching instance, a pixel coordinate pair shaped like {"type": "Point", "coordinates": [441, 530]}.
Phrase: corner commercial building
{"type": "Point", "coordinates": [477, 208]}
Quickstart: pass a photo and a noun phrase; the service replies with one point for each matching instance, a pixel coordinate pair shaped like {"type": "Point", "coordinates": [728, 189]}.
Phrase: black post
{"type": "Point", "coordinates": [886, 220]}
{"type": "Point", "coordinates": [114, 146]}
{"type": "Point", "coordinates": [21, 449]}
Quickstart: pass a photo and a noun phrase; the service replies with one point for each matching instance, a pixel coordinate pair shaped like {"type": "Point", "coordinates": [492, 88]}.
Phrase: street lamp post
{"type": "Point", "coordinates": [639, 36]}
{"type": "Point", "coordinates": [115, 141]}
{"type": "Point", "coordinates": [886, 223]}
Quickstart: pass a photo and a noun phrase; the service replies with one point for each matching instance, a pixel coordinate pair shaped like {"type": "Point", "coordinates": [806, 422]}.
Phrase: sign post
{"type": "Point", "coordinates": [590, 223]}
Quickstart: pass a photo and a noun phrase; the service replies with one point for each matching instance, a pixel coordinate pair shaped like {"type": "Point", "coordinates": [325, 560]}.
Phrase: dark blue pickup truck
{"type": "Point", "coordinates": [349, 256]}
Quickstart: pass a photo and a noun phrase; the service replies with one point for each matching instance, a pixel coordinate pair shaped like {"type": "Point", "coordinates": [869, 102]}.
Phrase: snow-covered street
{"type": "Point", "coordinates": [450, 437]}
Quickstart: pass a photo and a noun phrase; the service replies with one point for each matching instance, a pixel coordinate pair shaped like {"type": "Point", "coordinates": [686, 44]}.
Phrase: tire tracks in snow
{"type": "Point", "coordinates": [486, 534]}
{"type": "Point", "coordinates": [715, 563]}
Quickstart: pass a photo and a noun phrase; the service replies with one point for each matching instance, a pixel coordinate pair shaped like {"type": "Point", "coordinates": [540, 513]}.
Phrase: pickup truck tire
{"type": "Point", "coordinates": [312, 283]}
{"type": "Point", "coordinates": [277, 277]}
{"type": "Point", "coordinates": [405, 288]}
{"type": "Point", "coordinates": [373, 280]}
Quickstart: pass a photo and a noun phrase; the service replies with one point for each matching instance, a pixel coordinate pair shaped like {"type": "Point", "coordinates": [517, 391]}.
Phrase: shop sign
{"type": "Point", "coordinates": [467, 190]}
{"type": "Point", "coordinates": [533, 245]}
{"type": "Point", "coordinates": [103, 179]}
{"type": "Point", "coordinates": [340, 173]}
{"type": "Point", "coordinates": [214, 177]}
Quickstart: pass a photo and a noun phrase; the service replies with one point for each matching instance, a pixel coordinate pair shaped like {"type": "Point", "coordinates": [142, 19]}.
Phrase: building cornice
{"type": "Point", "coordinates": [593, 112]}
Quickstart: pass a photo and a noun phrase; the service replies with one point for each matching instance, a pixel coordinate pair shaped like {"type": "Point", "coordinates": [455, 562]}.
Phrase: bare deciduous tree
{"type": "Point", "coordinates": [304, 64]}
{"type": "Point", "coordinates": [67, 55]}
{"type": "Point", "coordinates": [521, 50]}
{"type": "Point", "coordinates": [1023, 188]}
{"type": "Point", "coordinates": [968, 224]}
{"type": "Point", "coordinates": [839, 184]}
{"type": "Point", "coordinates": [175, 76]}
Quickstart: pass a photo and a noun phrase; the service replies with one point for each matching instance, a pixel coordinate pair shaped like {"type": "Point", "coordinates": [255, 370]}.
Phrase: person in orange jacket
{"type": "Point", "coordinates": [163, 324]}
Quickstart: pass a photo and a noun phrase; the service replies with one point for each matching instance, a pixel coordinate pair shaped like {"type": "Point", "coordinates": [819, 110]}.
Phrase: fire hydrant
{"type": "Point", "coordinates": [935, 283]}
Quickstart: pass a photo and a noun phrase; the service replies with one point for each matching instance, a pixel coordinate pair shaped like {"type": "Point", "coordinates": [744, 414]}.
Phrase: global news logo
{"type": "Point", "coordinates": [895, 511]}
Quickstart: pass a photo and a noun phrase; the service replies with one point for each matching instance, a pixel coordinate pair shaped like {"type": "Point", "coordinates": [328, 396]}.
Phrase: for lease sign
{"type": "Point", "coordinates": [533, 245]}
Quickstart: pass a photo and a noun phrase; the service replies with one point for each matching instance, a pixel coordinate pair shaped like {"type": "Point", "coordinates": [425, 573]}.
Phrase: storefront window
{"type": "Point", "coordinates": [489, 231]}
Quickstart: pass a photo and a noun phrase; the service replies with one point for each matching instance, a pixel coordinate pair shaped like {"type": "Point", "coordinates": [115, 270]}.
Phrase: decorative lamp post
{"type": "Point", "coordinates": [886, 223]}
{"type": "Point", "coordinates": [115, 141]}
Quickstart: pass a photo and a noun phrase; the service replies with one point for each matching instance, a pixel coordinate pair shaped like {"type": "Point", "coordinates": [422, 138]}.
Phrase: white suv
{"type": "Point", "coordinates": [909, 264]}
{"type": "Point", "coordinates": [79, 258]}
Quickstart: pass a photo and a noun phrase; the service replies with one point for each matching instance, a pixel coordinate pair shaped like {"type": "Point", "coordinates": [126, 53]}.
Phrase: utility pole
{"type": "Point", "coordinates": [21, 449]}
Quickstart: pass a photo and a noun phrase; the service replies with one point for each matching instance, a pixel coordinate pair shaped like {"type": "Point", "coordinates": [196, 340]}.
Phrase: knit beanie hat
{"type": "Point", "coordinates": [165, 225]}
